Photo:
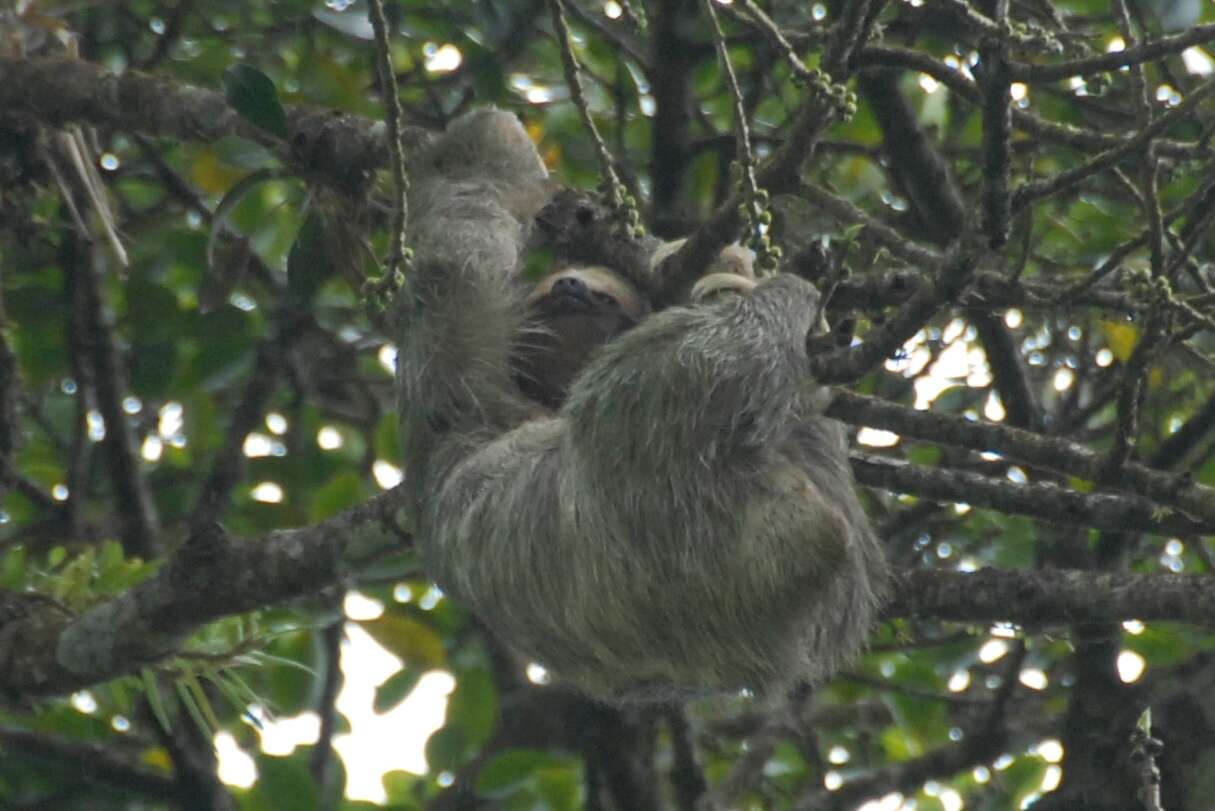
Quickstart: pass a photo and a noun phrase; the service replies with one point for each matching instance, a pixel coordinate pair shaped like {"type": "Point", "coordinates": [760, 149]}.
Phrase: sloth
{"type": "Point", "coordinates": [659, 510]}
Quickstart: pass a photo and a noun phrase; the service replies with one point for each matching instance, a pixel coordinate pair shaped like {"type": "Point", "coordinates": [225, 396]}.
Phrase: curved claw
{"type": "Point", "coordinates": [713, 285]}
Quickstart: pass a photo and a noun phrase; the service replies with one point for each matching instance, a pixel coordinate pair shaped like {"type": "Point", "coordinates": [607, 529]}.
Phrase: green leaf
{"type": "Point", "coordinates": [231, 692]}
{"type": "Point", "coordinates": [252, 94]}
{"type": "Point", "coordinates": [287, 686]}
{"type": "Point", "coordinates": [153, 365]}
{"type": "Point", "coordinates": [447, 750]}
{"type": "Point", "coordinates": [190, 701]}
{"type": "Point", "coordinates": [956, 399]}
{"type": "Point", "coordinates": [39, 341]}
{"type": "Point", "coordinates": [1162, 646]}
{"type": "Point", "coordinates": [559, 786]}
{"type": "Point", "coordinates": [152, 690]}
{"type": "Point", "coordinates": [230, 199]}
{"type": "Point", "coordinates": [200, 698]}
{"type": "Point", "coordinates": [342, 491]}
{"type": "Point", "coordinates": [1023, 777]}
{"type": "Point", "coordinates": [225, 338]}
{"type": "Point", "coordinates": [395, 689]}
{"type": "Point", "coordinates": [387, 443]}
{"type": "Point", "coordinates": [418, 644]}
{"type": "Point", "coordinates": [56, 556]}
{"type": "Point", "coordinates": [12, 568]}
{"type": "Point", "coordinates": [308, 264]}
{"type": "Point", "coordinates": [511, 770]}
{"type": "Point", "coordinates": [284, 783]}
{"type": "Point", "coordinates": [402, 789]}
{"type": "Point", "coordinates": [924, 455]}
{"type": "Point", "coordinates": [473, 705]}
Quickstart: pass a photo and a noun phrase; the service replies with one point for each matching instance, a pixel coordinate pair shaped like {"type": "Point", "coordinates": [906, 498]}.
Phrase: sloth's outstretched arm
{"type": "Point", "coordinates": [474, 193]}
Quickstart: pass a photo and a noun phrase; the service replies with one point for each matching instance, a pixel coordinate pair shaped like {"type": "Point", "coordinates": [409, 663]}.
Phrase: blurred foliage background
{"type": "Point", "coordinates": [242, 405]}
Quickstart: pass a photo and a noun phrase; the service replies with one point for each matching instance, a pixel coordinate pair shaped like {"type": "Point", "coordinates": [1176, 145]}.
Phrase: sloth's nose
{"type": "Point", "coordinates": [570, 286]}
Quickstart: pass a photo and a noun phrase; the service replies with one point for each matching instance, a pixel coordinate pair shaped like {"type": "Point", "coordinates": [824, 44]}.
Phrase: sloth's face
{"type": "Point", "coordinates": [575, 311]}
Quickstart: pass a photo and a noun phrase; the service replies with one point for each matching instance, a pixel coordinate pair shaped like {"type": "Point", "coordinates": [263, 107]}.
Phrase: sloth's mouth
{"type": "Point", "coordinates": [568, 303]}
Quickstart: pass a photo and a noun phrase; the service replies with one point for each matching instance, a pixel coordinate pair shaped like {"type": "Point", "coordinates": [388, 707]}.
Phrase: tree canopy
{"type": "Point", "coordinates": [1007, 204]}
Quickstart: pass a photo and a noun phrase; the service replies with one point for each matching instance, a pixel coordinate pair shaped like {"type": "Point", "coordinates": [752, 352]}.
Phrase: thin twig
{"type": "Point", "coordinates": [745, 156]}
{"type": "Point", "coordinates": [1131, 55]}
{"type": "Point", "coordinates": [1028, 447]}
{"type": "Point", "coordinates": [396, 144]}
{"type": "Point", "coordinates": [755, 15]}
{"type": "Point", "coordinates": [1039, 189]}
{"type": "Point", "coordinates": [1130, 388]}
{"type": "Point", "coordinates": [573, 80]}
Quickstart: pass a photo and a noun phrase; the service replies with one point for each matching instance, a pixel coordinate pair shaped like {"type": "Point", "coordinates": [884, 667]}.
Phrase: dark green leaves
{"type": "Point", "coordinates": [308, 263]}
{"type": "Point", "coordinates": [534, 779]}
{"type": "Point", "coordinates": [252, 94]}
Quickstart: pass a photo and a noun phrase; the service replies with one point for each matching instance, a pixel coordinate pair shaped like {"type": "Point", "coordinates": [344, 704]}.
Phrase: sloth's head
{"type": "Point", "coordinates": [575, 311]}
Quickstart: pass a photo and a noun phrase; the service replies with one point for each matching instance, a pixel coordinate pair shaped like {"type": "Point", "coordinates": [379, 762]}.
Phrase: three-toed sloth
{"type": "Point", "coordinates": [650, 505]}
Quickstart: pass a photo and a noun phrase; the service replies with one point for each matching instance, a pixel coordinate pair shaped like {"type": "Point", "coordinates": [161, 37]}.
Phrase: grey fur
{"type": "Point", "coordinates": [686, 524]}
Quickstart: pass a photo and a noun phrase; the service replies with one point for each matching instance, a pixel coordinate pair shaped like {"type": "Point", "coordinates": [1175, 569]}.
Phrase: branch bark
{"type": "Point", "coordinates": [1045, 501]}
{"type": "Point", "coordinates": [342, 149]}
{"type": "Point", "coordinates": [1051, 596]}
{"type": "Point", "coordinates": [1038, 450]}
{"type": "Point", "coordinates": [43, 651]}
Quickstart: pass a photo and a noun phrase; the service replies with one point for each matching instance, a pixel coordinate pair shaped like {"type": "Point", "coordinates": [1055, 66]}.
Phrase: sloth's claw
{"type": "Point", "coordinates": [714, 285]}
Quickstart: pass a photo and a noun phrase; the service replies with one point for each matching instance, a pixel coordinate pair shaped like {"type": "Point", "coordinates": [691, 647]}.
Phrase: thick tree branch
{"type": "Point", "coordinates": [1046, 501]}
{"type": "Point", "coordinates": [44, 652]}
{"type": "Point", "coordinates": [60, 91]}
{"type": "Point", "coordinates": [881, 342]}
{"type": "Point", "coordinates": [673, 58]}
{"type": "Point", "coordinates": [997, 127]}
{"type": "Point", "coordinates": [1038, 450]}
{"type": "Point", "coordinates": [1051, 596]}
{"type": "Point", "coordinates": [920, 172]}
{"type": "Point", "coordinates": [1154, 49]}
{"type": "Point", "coordinates": [94, 762]}
{"type": "Point", "coordinates": [343, 149]}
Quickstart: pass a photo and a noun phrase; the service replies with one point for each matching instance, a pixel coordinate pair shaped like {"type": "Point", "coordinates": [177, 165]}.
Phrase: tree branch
{"type": "Point", "coordinates": [1045, 501]}
{"type": "Point", "coordinates": [1038, 450]}
{"type": "Point", "coordinates": [1051, 596]}
{"type": "Point", "coordinates": [139, 521]}
{"type": "Point", "coordinates": [43, 652]}
{"type": "Point", "coordinates": [1032, 190]}
{"type": "Point", "coordinates": [1154, 49]}
{"type": "Point", "coordinates": [343, 149]}
{"type": "Point", "coordinates": [881, 342]}
{"type": "Point", "coordinates": [1079, 138]}
{"type": "Point", "coordinates": [93, 762]}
